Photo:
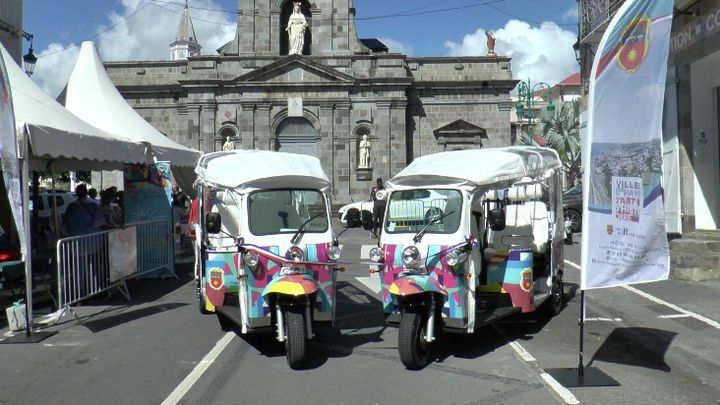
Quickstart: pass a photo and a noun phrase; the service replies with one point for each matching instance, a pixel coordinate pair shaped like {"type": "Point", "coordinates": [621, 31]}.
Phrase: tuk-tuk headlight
{"type": "Point", "coordinates": [334, 253]}
{"type": "Point", "coordinates": [376, 255]}
{"type": "Point", "coordinates": [295, 254]}
{"type": "Point", "coordinates": [411, 257]}
{"type": "Point", "coordinates": [455, 256]}
{"type": "Point", "coordinates": [251, 259]}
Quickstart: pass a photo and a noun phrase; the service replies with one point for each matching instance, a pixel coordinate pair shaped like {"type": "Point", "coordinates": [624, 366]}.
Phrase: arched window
{"type": "Point", "coordinates": [285, 12]}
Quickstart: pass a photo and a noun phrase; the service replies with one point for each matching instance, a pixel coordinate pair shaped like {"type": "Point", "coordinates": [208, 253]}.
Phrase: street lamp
{"type": "Point", "coordinates": [526, 98]}
{"type": "Point", "coordinates": [29, 59]}
{"type": "Point", "coordinates": [576, 49]}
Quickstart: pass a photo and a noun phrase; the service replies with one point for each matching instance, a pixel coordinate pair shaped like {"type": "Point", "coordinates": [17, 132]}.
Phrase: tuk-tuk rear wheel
{"type": "Point", "coordinates": [556, 301]}
{"type": "Point", "coordinates": [414, 350]}
{"type": "Point", "coordinates": [296, 339]}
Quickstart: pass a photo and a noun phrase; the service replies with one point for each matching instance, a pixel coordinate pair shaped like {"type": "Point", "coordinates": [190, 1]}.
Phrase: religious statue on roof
{"type": "Point", "coordinates": [490, 43]}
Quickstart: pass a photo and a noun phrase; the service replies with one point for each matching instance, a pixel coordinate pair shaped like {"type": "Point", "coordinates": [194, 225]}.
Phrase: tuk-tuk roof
{"type": "Point", "coordinates": [538, 160]}
{"type": "Point", "coordinates": [249, 170]}
{"type": "Point", "coordinates": [470, 168]}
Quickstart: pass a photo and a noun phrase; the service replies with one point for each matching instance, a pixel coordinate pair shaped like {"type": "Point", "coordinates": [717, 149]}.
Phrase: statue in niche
{"type": "Point", "coordinates": [364, 153]}
{"type": "Point", "coordinates": [490, 43]}
{"type": "Point", "coordinates": [229, 144]}
{"type": "Point", "coordinates": [296, 31]}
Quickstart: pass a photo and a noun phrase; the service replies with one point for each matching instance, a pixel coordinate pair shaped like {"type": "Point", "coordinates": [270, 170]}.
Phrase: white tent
{"type": "Point", "coordinates": [92, 96]}
{"type": "Point", "coordinates": [57, 135]}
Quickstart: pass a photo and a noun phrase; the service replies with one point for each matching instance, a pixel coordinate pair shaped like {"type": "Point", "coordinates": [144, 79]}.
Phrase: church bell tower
{"type": "Point", "coordinates": [186, 43]}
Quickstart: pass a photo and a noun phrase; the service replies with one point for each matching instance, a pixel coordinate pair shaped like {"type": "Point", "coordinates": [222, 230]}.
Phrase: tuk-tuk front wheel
{"type": "Point", "coordinates": [296, 339]}
{"type": "Point", "coordinates": [413, 347]}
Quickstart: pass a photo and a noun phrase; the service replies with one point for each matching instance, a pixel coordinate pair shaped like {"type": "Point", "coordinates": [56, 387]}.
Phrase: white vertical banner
{"type": "Point", "coordinates": [9, 162]}
{"type": "Point", "coordinates": [624, 240]}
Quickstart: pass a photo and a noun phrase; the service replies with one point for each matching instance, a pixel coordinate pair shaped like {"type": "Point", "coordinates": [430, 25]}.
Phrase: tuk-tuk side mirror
{"type": "Point", "coordinates": [213, 223]}
{"type": "Point", "coordinates": [496, 219]}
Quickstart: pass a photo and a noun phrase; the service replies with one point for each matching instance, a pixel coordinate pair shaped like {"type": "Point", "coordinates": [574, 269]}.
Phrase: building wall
{"type": "Point", "coordinates": [11, 28]}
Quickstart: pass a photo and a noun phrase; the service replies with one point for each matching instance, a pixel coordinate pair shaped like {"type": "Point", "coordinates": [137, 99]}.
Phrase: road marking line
{"type": "Point", "coordinates": [603, 320]}
{"type": "Point", "coordinates": [674, 316]}
{"type": "Point", "coordinates": [564, 393]}
{"type": "Point", "coordinates": [714, 324]}
{"type": "Point", "coordinates": [182, 389]}
{"type": "Point", "coordinates": [372, 282]}
{"type": "Point", "coordinates": [365, 251]}
{"type": "Point", "coordinates": [524, 354]}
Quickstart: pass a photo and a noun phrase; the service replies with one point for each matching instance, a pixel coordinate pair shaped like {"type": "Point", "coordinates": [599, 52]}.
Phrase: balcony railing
{"type": "Point", "coordinates": [595, 14]}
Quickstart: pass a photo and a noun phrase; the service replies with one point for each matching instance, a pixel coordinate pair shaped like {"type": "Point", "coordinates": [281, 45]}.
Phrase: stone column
{"type": "Point", "coordinates": [325, 139]}
{"type": "Point", "coordinates": [381, 154]}
{"type": "Point", "coordinates": [246, 125]}
{"type": "Point", "coordinates": [194, 128]}
{"type": "Point", "coordinates": [398, 145]}
{"type": "Point", "coordinates": [265, 139]}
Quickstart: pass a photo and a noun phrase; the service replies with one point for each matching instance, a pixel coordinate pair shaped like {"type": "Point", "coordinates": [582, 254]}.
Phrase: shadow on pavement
{"type": "Point", "coordinates": [99, 325]}
{"type": "Point", "coordinates": [641, 347]}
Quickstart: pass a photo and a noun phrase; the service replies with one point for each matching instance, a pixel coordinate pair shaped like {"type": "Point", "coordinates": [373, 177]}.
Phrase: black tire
{"type": "Point", "coordinates": [367, 220]}
{"type": "Point", "coordinates": [296, 339]}
{"type": "Point", "coordinates": [556, 301]}
{"type": "Point", "coordinates": [226, 324]}
{"type": "Point", "coordinates": [201, 296]}
{"type": "Point", "coordinates": [575, 218]}
{"type": "Point", "coordinates": [414, 351]}
{"type": "Point", "coordinates": [352, 218]}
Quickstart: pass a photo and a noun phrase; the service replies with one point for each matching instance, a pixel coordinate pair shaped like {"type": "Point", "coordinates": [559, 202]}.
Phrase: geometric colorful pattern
{"type": "Point", "coordinates": [511, 273]}
{"type": "Point", "coordinates": [441, 277]}
{"type": "Point", "coordinates": [220, 277]}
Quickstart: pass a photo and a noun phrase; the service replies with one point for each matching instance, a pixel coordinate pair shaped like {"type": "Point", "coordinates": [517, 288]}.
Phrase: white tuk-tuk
{"type": "Point", "coordinates": [469, 237]}
{"type": "Point", "coordinates": [266, 247]}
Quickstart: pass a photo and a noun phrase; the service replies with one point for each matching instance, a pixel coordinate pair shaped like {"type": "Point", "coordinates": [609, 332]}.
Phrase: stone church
{"type": "Point", "coordinates": [322, 98]}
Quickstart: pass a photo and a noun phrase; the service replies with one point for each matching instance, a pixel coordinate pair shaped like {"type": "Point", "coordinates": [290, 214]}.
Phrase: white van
{"type": "Point", "coordinates": [45, 202]}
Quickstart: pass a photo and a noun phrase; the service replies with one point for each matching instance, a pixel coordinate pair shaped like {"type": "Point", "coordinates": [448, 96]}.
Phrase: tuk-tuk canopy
{"type": "Point", "coordinates": [248, 170]}
{"type": "Point", "coordinates": [477, 167]}
{"type": "Point", "coordinates": [538, 160]}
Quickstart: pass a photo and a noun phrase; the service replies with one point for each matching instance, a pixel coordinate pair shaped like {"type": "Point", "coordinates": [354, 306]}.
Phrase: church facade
{"type": "Point", "coordinates": [297, 78]}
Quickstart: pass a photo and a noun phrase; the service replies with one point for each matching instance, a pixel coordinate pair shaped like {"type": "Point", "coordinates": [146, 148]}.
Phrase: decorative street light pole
{"type": "Point", "coordinates": [526, 99]}
{"type": "Point", "coordinates": [29, 59]}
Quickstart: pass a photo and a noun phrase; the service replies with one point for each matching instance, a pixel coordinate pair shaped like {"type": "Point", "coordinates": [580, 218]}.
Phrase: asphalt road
{"type": "Point", "coordinates": [659, 341]}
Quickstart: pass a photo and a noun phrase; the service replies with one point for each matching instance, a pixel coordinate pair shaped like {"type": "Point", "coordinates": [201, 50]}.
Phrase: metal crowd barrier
{"type": "Point", "coordinates": [85, 266]}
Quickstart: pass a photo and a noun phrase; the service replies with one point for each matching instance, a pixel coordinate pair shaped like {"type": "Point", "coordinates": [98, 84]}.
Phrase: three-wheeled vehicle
{"type": "Point", "coordinates": [266, 245]}
{"type": "Point", "coordinates": [469, 237]}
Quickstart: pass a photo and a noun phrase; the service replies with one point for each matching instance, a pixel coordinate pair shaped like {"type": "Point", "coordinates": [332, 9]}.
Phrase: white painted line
{"type": "Point", "coordinates": [654, 299]}
{"type": "Point", "coordinates": [182, 389]}
{"type": "Point", "coordinates": [713, 323]}
{"type": "Point", "coordinates": [372, 282]}
{"type": "Point", "coordinates": [524, 354]}
{"type": "Point", "coordinates": [603, 320]}
{"type": "Point", "coordinates": [564, 393]}
{"type": "Point", "coordinates": [365, 251]}
{"type": "Point", "coordinates": [674, 316]}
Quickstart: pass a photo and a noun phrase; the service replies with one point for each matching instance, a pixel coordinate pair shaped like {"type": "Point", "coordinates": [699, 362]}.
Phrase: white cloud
{"type": "Point", "coordinates": [540, 53]}
{"type": "Point", "coordinates": [145, 35]}
{"type": "Point", "coordinates": [571, 14]}
{"type": "Point", "coordinates": [396, 46]}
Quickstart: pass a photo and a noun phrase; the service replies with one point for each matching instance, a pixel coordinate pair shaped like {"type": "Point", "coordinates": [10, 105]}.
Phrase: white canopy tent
{"type": "Point", "coordinates": [92, 96]}
{"type": "Point", "coordinates": [57, 135]}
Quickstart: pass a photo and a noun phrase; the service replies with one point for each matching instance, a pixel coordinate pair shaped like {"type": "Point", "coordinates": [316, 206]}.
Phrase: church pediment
{"type": "Point", "coordinates": [461, 134]}
{"type": "Point", "coordinates": [295, 69]}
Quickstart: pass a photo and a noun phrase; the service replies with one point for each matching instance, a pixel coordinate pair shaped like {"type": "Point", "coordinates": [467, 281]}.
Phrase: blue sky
{"type": "Point", "coordinates": [537, 34]}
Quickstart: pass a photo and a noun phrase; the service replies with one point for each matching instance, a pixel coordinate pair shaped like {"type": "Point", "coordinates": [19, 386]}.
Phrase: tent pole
{"type": "Point", "coordinates": [27, 251]}
{"type": "Point", "coordinates": [581, 367]}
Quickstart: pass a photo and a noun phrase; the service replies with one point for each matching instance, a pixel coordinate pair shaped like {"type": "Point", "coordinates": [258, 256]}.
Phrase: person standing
{"type": "Point", "coordinates": [378, 207]}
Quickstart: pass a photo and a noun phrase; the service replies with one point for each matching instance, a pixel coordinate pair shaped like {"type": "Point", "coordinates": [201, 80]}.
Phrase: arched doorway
{"type": "Point", "coordinates": [296, 135]}
{"type": "Point", "coordinates": [285, 12]}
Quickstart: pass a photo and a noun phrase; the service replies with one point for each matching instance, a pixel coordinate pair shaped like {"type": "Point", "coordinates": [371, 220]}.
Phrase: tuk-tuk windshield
{"type": "Point", "coordinates": [285, 211]}
{"type": "Point", "coordinates": [412, 210]}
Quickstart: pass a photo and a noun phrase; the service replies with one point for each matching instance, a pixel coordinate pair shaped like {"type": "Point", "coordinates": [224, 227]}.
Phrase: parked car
{"type": "Point", "coordinates": [357, 214]}
{"type": "Point", "coordinates": [45, 202]}
{"type": "Point", "coordinates": [572, 207]}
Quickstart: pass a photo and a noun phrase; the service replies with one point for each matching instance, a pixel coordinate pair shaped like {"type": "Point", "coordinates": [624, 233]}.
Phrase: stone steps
{"type": "Point", "coordinates": [696, 256]}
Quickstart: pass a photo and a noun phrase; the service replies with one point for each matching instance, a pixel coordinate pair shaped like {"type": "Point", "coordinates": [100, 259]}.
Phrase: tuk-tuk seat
{"type": "Point", "coordinates": [230, 214]}
{"type": "Point", "coordinates": [540, 224]}
{"type": "Point", "coordinates": [518, 232]}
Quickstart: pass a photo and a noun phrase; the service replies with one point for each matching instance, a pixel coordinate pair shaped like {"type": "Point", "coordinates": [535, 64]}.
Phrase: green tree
{"type": "Point", "coordinates": [561, 132]}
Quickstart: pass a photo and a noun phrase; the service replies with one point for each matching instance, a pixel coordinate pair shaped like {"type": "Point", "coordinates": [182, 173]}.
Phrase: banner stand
{"type": "Point", "coordinates": [29, 336]}
{"type": "Point", "coordinates": [582, 376]}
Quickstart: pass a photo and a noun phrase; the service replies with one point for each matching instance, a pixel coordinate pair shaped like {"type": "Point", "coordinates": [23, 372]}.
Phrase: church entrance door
{"type": "Point", "coordinates": [297, 135]}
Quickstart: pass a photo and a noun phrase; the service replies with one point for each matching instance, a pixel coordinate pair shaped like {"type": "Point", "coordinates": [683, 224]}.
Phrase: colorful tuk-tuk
{"type": "Point", "coordinates": [266, 247]}
{"type": "Point", "coordinates": [469, 237]}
